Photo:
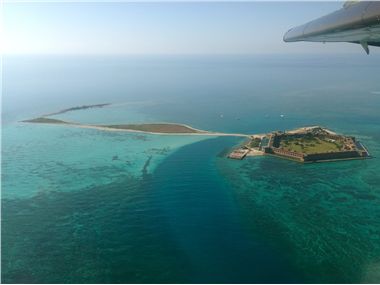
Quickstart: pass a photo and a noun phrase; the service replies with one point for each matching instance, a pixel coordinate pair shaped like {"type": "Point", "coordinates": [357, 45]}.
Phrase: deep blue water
{"type": "Point", "coordinates": [196, 202]}
{"type": "Point", "coordinates": [86, 206]}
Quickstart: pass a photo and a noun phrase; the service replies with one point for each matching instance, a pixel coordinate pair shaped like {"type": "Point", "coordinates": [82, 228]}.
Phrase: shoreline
{"type": "Point", "coordinates": [200, 133]}
{"type": "Point", "coordinates": [244, 150]}
{"type": "Point", "coordinates": [157, 128]}
{"type": "Point", "coordinates": [197, 132]}
{"type": "Point", "coordinates": [312, 143]}
{"type": "Point", "coordinates": [340, 148]}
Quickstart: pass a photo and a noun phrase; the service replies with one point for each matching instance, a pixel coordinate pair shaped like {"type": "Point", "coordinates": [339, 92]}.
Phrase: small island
{"type": "Point", "coordinates": [44, 120]}
{"type": "Point", "coordinates": [77, 108]}
{"type": "Point", "coordinates": [154, 128]}
{"type": "Point", "coordinates": [307, 144]}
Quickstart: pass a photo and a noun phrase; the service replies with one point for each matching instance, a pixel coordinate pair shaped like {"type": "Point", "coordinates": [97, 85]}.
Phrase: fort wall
{"type": "Point", "coordinates": [332, 155]}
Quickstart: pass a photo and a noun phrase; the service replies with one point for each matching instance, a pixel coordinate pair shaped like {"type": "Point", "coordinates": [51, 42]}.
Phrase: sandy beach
{"type": "Point", "coordinates": [119, 128]}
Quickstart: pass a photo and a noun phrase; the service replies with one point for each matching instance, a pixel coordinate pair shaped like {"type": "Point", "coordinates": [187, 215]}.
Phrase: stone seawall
{"type": "Point", "coordinates": [290, 154]}
{"type": "Point", "coordinates": [332, 155]}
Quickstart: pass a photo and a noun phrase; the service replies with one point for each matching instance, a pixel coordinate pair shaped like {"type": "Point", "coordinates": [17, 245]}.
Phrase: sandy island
{"type": "Point", "coordinates": [154, 128]}
{"type": "Point", "coordinates": [305, 144]}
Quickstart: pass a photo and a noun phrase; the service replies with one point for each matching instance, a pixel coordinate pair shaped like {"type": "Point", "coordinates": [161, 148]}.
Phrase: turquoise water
{"type": "Point", "coordinates": [44, 155]}
{"type": "Point", "coordinates": [82, 205]}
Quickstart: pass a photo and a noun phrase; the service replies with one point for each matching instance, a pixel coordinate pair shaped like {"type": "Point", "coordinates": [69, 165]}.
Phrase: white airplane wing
{"type": "Point", "coordinates": [356, 22]}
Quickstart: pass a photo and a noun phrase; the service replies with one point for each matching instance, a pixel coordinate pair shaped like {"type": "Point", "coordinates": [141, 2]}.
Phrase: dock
{"type": "Point", "coordinates": [239, 153]}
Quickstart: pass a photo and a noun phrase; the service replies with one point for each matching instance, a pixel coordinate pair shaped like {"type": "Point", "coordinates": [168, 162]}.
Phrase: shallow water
{"type": "Point", "coordinates": [83, 205]}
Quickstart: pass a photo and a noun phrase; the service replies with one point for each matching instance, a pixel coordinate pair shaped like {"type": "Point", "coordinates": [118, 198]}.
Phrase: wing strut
{"type": "Point", "coordinates": [364, 44]}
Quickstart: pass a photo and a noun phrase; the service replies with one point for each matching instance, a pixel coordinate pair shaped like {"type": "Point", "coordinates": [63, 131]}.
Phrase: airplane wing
{"type": "Point", "coordinates": [356, 22]}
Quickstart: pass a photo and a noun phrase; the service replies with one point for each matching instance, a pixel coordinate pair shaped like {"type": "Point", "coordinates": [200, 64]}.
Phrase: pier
{"type": "Point", "coordinates": [239, 153]}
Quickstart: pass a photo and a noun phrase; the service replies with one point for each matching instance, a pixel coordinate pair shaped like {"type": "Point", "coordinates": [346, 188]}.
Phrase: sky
{"type": "Point", "coordinates": [48, 27]}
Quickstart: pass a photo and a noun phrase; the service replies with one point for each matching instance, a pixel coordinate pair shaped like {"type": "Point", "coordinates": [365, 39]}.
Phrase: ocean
{"type": "Point", "coordinates": [89, 206]}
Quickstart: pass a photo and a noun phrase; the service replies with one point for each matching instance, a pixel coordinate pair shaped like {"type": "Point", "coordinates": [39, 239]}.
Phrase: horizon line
{"type": "Point", "coordinates": [187, 54]}
{"type": "Point", "coordinates": [160, 1]}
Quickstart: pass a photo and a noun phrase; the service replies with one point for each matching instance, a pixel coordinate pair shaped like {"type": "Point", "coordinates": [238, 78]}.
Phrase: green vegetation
{"type": "Point", "coordinates": [44, 120]}
{"type": "Point", "coordinates": [154, 128]}
{"type": "Point", "coordinates": [255, 142]}
{"type": "Point", "coordinates": [310, 144]}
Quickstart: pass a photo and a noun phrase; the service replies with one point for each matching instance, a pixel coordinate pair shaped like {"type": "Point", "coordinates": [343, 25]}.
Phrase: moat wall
{"type": "Point", "coordinates": [314, 157]}
{"type": "Point", "coordinates": [331, 155]}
